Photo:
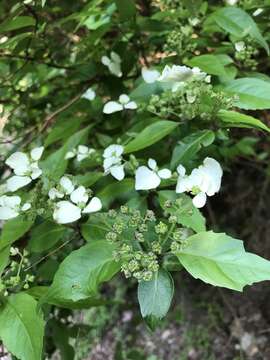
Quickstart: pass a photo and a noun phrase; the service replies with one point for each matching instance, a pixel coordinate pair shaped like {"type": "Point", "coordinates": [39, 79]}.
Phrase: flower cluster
{"type": "Point", "coordinates": [81, 152]}
{"type": "Point", "coordinates": [202, 182]}
{"type": "Point", "coordinates": [10, 207]}
{"type": "Point", "coordinates": [25, 168]}
{"type": "Point", "coordinates": [76, 201]}
{"type": "Point", "coordinates": [147, 178]}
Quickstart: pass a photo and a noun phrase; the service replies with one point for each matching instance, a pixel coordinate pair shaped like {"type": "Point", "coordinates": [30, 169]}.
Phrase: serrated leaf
{"type": "Point", "coordinates": [239, 24]}
{"type": "Point", "coordinates": [190, 145]}
{"type": "Point", "coordinates": [150, 135]}
{"type": "Point", "coordinates": [221, 260]}
{"type": "Point", "coordinates": [22, 327]}
{"type": "Point", "coordinates": [155, 296]}
{"type": "Point", "coordinates": [252, 93]}
{"type": "Point", "coordinates": [81, 273]}
{"type": "Point", "coordinates": [187, 214]}
{"type": "Point", "coordinates": [236, 119]}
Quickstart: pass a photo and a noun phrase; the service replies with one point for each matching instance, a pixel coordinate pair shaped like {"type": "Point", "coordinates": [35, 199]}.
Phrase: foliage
{"type": "Point", "coordinates": [92, 92]}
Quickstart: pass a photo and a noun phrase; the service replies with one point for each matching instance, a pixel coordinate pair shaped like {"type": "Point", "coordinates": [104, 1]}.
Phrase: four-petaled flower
{"type": "Point", "coordinates": [113, 161]}
{"type": "Point", "coordinates": [82, 152]}
{"type": "Point", "coordinates": [123, 103]}
{"type": "Point", "coordinates": [10, 207]}
{"type": "Point", "coordinates": [113, 63]}
{"type": "Point", "coordinates": [147, 178]}
{"type": "Point", "coordinates": [25, 168]}
{"type": "Point", "coordinates": [202, 182]}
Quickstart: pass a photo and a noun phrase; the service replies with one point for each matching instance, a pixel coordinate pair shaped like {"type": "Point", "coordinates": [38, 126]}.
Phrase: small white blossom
{"type": "Point", "coordinates": [82, 152]}
{"type": "Point", "coordinates": [176, 76]}
{"type": "Point", "coordinates": [150, 76]}
{"type": "Point", "coordinates": [123, 103]}
{"type": "Point", "coordinates": [113, 161]}
{"type": "Point", "coordinates": [257, 12]}
{"type": "Point", "coordinates": [54, 193]}
{"type": "Point", "coordinates": [89, 94]}
{"type": "Point", "coordinates": [113, 63]}
{"type": "Point", "coordinates": [24, 167]}
{"type": "Point", "coordinates": [231, 2]}
{"type": "Point", "coordinates": [202, 182]}
{"type": "Point", "coordinates": [240, 46]}
{"type": "Point", "coordinates": [147, 178]}
{"type": "Point", "coordinates": [10, 207]}
{"type": "Point", "coordinates": [66, 185]}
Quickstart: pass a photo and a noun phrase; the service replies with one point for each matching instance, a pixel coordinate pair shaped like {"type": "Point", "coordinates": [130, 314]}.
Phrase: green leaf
{"type": "Point", "coordinates": [4, 258]}
{"type": "Point", "coordinates": [150, 135]}
{"type": "Point", "coordinates": [221, 260]}
{"type": "Point", "coordinates": [190, 145]}
{"type": "Point", "coordinates": [239, 24]}
{"type": "Point", "coordinates": [187, 214]}
{"type": "Point", "coordinates": [45, 235]}
{"type": "Point", "coordinates": [117, 190]}
{"type": "Point", "coordinates": [97, 227]}
{"type": "Point", "coordinates": [155, 296]}
{"type": "Point", "coordinates": [88, 179]}
{"type": "Point", "coordinates": [18, 22]}
{"type": "Point", "coordinates": [81, 273]}
{"type": "Point", "coordinates": [56, 164]}
{"type": "Point", "coordinates": [127, 9]}
{"type": "Point", "coordinates": [252, 93]}
{"type": "Point", "coordinates": [211, 64]}
{"type": "Point", "coordinates": [22, 327]}
{"type": "Point", "coordinates": [14, 229]}
{"type": "Point", "coordinates": [236, 119]}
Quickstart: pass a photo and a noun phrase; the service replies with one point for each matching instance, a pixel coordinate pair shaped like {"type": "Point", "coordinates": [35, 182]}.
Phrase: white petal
{"type": "Point", "coordinates": [54, 193]}
{"type": "Point", "coordinates": [36, 171]}
{"type": "Point", "coordinates": [146, 179]}
{"type": "Point", "coordinates": [164, 173]}
{"type": "Point", "coordinates": [18, 160]}
{"type": "Point", "coordinates": [123, 99]}
{"type": "Point", "coordinates": [79, 195]}
{"type": "Point", "coordinates": [113, 150]}
{"type": "Point", "coordinates": [181, 170]}
{"type": "Point", "coordinates": [112, 107]}
{"type": "Point", "coordinates": [37, 153]}
{"type": "Point", "coordinates": [115, 57]}
{"type": "Point", "coordinates": [199, 200]}
{"type": "Point", "coordinates": [150, 76]}
{"type": "Point", "coordinates": [93, 206]}
{"type": "Point", "coordinates": [183, 185]}
{"type": "Point", "coordinates": [105, 60]}
{"type": "Point", "coordinates": [16, 182]}
{"type": "Point", "coordinates": [7, 213]}
{"type": "Point", "coordinates": [82, 149]}
{"type": "Point", "coordinates": [109, 162]}
{"type": "Point", "coordinates": [12, 201]}
{"type": "Point", "coordinates": [118, 172]}
{"type": "Point", "coordinates": [70, 155]}
{"type": "Point", "coordinates": [81, 157]}
{"type": "Point", "coordinates": [67, 185]}
{"type": "Point", "coordinates": [89, 94]}
{"type": "Point", "coordinates": [152, 164]}
{"type": "Point", "coordinates": [66, 212]}
{"type": "Point", "coordinates": [26, 207]}
{"type": "Point", "coordinates": [115, 69]}
{"type": "Point", "coordinates": [131, 105]}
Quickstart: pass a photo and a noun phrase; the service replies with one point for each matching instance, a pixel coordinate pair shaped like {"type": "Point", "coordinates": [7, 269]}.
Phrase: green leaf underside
{"type": "Point", "coordinates": [22, 327]}
{"type": "Point", "coordinates": [150, 135]}
{"type": "Point", "coordinates": [239, 24]}
{"type": "Point", "coordinates": [81, 273]}
{"type": "Point", "coordinates": [252, 93]}
{"type": "Point", "coordinates": [221, 260]}
{"type": "Point", "coordinates": [235, 119]}
{"type": "Point", "coordinates": [155, 296]}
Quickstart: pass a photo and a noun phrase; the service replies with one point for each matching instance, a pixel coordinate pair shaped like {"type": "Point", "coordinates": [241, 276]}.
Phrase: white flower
{"type": "Point", "coordinates": [231, 2]}
{"type": "Point", "coordinates": [240, 46]}
{"type": "Point", "coordinates": [66, 185]}
{"type": "Point", "coordinates": [257, 12]}
{"type": "Point", "coordinates": [202, 182]}
{"type": "Point", "coordinates": [25, 168]}
{"type": "Point", "coordinates": [89, 94]}
{"type": "Point", "coordinates": [113, 161]}
{"type": "Point", "coordinates": [176, 76]}
{"type": "Point", "coordinates": [10, 207]}
{"type": "Point", "coordinates": [150, 76]}
{"type": "Point", "coordinates": [124, 103]}
{"type": "Point", "coordinates": [54, 193]}
{"type": "Point", "coordinates": [82, 152]}
{"type": "Point", "coordinates": [147, 178]}
{"type": "Point", "coordinates": [113, 63]}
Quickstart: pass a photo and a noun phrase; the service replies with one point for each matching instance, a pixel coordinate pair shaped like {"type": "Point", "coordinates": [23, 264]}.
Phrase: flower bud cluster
{"type": "Point", "coordinates": [246, 53]}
